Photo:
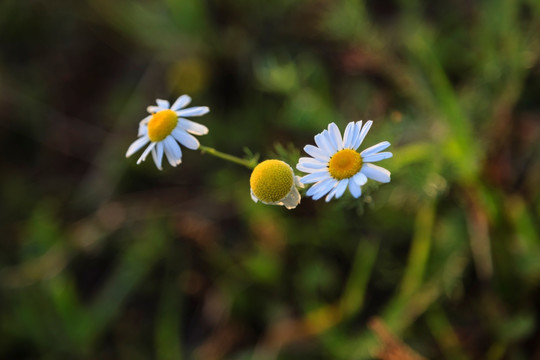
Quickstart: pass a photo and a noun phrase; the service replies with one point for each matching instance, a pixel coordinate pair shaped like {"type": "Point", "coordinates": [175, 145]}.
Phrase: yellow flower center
{"type": "Point", "coordinates": [162, 124]}
{"type": "Point", "coordinates": [345, 164]}
{"type": "Point", "coordinates": [271, 180]}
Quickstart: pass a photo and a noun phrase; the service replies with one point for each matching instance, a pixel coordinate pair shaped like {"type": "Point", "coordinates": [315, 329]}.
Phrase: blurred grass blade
{"type": "Point", "coordinates": [444, 333]}
{"type": "Point", "coordinates": [355, 289]}
{"type": "Point", "coordinates": [134, 265]}
{"type": "Point", "coordinates": [401, 312]}
{"type": "Point", "coordinates": [167, 333]}
{"type": "Point", "coordinates": [420, 247]}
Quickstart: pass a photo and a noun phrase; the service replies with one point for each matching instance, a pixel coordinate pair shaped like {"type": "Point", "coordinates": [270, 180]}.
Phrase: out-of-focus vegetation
{"type": "Point", "coordinates": [104, 259]}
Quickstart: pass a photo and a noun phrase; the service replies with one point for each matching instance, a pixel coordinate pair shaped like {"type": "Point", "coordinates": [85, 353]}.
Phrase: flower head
{"type": "Point", "coordinates": [273, 182]}
{"type": "Point", "coordinates": [165, 127]}
{"type": "Point", "coordinates": [335, 164]}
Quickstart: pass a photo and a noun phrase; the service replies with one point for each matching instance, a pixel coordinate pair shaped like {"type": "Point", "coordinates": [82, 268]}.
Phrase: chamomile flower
{"type": "Point", "coordinates": [273, 182]}
{"type": "Point", "coordinates": [335, 164]}
{"type": "Point", "coordinates": [165, 127]}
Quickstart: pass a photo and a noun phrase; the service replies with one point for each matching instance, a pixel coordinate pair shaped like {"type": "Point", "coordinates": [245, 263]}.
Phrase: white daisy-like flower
{"type": "Point", "coordinates": [335, 164]}
{"type": "Point", "coordinates": [165, 127]}
{"type": "Point", "coordinates": [273, 182]}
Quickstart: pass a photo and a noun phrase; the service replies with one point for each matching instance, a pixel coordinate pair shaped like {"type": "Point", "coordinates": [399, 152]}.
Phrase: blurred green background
{"type": "Point", "coordinates": [104, 259]}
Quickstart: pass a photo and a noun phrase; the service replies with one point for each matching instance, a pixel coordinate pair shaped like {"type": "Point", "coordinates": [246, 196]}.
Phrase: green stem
{"type": "Point", "coordinates": [250, 164]}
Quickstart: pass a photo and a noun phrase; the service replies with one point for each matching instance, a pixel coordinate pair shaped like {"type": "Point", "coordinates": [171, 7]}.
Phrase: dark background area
{"type": "Point", "coordinates": [101, 258]}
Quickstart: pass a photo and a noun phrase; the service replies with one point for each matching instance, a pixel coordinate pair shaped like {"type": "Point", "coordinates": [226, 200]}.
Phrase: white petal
{"type": "Point", "coordinates": [376, 173]}
{"type": "Point", "coordinates": [292, 199]}
{"type": "Point", "coordinates": [143, 125]}
{"type": "Point", "coordinates": [297, 182]}
{"type": "Point", "coordinates": [157, 154]}
{"type": "Point", "coordinates": [145, 120]}
{"type": "Point", "coordinates": [182, 101]}
{"type": "Point", "coordinates": [159, 151]}
{"type": "Point", "coordinates": [338, 189]}
{"type": "Point", "coordinates": [360, 179]}
{"type": "Point", "coordinates": [377, 157]}
{"type": "Point", "coordinates": [314, 177]}
{"type": "Point", "coordinates": [321, 188]}
{"type": "Point", "coordinates": [375, 148]}
{"type": "Point", "coordinates": [309, 168]}
{"type": "Point", "coordinates": [309, 160]}
{"type": "Point", "coordinates": [356, 133]}
{"type": "Point", "coordinates": [323, 191]}
{"type": "Point", "coordinates": [313, 165]}
{"type": "Point", "coordinates": [335, 135]}
{"type": "Point", "coordinates": [193, 127]}
{"type": "Point", "coordinates": [316, 153]}
{"type": "Point", "coordinates": [168, 154]}
{"type": "Point", "coordinates": [185, 139]}
{"type": "Point", "coordinates": [152, 109]}
{"type": "Point", "coordinates": [143, 130]}
{"type": "Point", "coordinates": [331, 193]}
{"type": "Point", "coordinates": [363, 134]}
{"type": "Point", "coordinates": [154, 156]}
{"type": "Point", "coordinates": [355, 189]}
{"type": "Point", "coordinates": [194, 111]}
{"type": "Point", "coordinates": [164, 104]}
{"type": "Point", "coordinates": [253, 197]}
{"type": "Point", "coordinates": [313, 189]}
{"type": "Point", "coordinates": [341, 187]}
{"type": "Point", "coordinates": [330, 141]}
{"type": "Point", "coordinates": [172, 151]}
{"type": "Point", "coordinates": [348, 136]}
{"type": "Point", "coordinates": [146, 152]}
{"type": "Point", "coordinates": [324, 145]}
{"type": "Point", "coordinates": [137, 145]}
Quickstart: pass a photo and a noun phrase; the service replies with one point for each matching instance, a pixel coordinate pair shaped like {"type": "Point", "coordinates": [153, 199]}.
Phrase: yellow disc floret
{"type": "Point", "coordinates": [162, 124]}
{"type": "Point", "coordinates": [344, 164]}
{"type": "Point", "coordinates": [271, 180]}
